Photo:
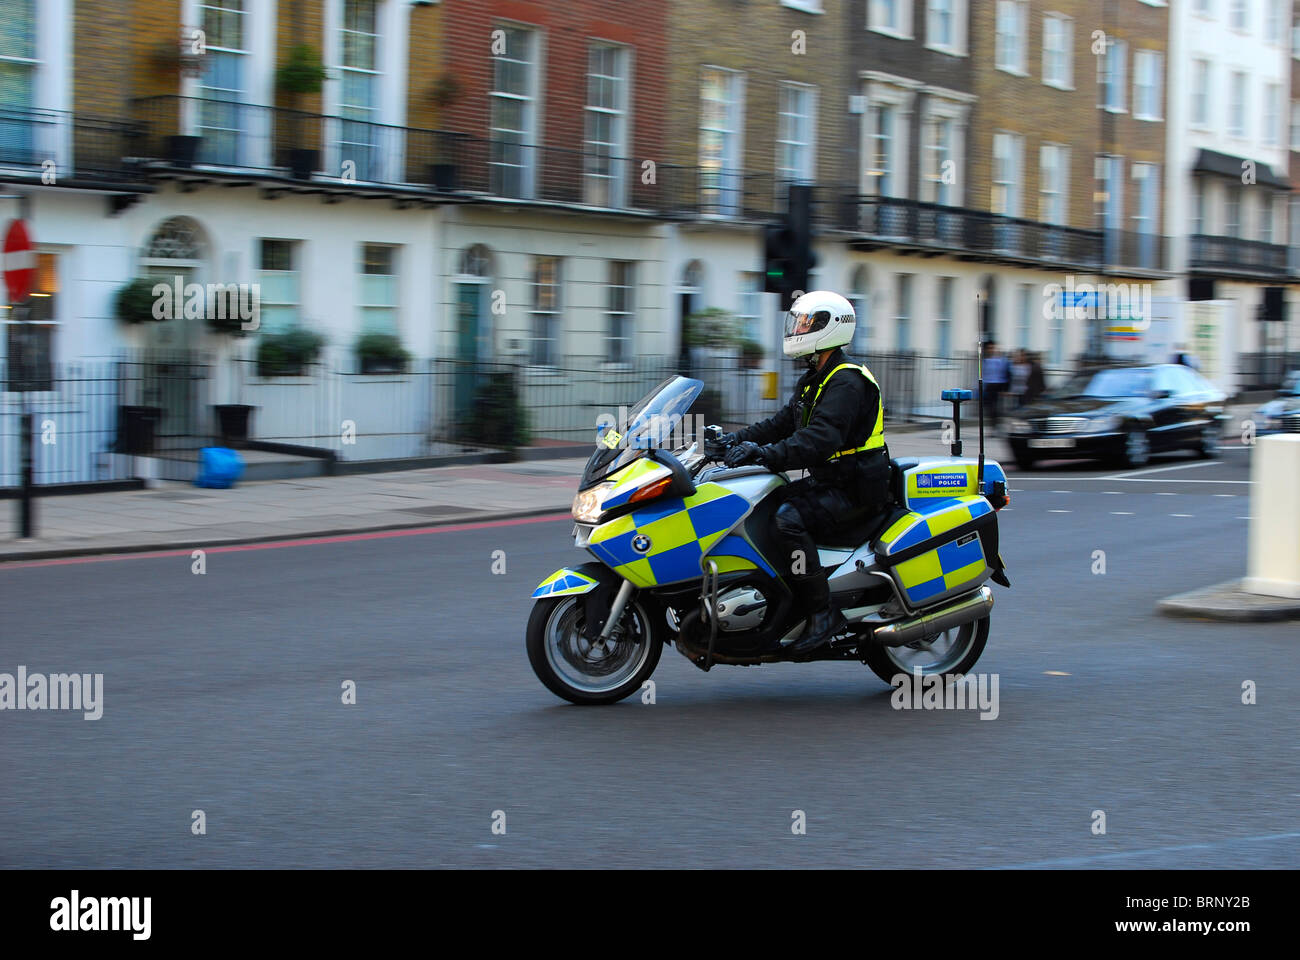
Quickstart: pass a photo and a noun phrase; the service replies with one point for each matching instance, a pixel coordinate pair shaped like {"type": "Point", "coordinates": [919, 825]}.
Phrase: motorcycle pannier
{"type": "Point", "coordinates": [941, 551]}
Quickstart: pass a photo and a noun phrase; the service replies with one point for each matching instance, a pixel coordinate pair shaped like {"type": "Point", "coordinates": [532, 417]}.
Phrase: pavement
{"type": "Point", "coordinates": [222, 693]}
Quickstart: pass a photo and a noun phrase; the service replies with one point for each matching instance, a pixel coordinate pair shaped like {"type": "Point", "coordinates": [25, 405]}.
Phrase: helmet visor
{"type": "Point", "coordinates": [797, 324]}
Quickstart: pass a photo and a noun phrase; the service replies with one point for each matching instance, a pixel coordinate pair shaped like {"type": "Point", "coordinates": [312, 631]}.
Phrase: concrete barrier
{"type": "Point", "coordinates": [1273, 563]}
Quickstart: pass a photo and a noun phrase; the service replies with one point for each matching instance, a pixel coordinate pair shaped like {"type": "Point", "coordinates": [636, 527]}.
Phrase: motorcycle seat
{"type": "Point", "coordinates": [855, 532]}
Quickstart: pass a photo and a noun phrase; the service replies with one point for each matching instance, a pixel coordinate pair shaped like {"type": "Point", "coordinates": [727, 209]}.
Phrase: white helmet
{"type": "Point", "coordinates": [820, 320]}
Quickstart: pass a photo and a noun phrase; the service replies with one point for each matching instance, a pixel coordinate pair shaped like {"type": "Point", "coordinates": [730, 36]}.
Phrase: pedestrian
{"type": "Point", "coordinates": [996, 370]}
{"type": "Point", "coordinates": [1019, 377]}
{"type": "Point", "coordinates": [1035, 382]}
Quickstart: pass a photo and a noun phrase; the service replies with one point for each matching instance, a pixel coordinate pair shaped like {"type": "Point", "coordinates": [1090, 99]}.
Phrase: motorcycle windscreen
{"type": "Point", "coordinates": [656, 421]}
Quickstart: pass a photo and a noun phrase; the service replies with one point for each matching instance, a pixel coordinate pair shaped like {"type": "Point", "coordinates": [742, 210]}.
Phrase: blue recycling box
{"type": "Point", "coordinates": [219, 468]}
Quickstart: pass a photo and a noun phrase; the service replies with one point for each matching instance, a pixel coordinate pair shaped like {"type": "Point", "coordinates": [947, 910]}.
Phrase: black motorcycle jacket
{"type": "Point", "coordinates": [842, 418]}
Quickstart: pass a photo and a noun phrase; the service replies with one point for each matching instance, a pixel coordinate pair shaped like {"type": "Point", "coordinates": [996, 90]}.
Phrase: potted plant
{"type": "Point", "coordinates": [135, 301]}
{"type": "Point", "coordinates": [751, 354]}
{"type": "Point", "coordinates": [301, 74]}
{"type": "Point", "coordinates": [713, 328]}
{"type": "Point", "coordinates": [500, 418]}
{"type": "Point", "coordinates": [381, 353]}
{"type": "Point", "coordinates": [289, 353]}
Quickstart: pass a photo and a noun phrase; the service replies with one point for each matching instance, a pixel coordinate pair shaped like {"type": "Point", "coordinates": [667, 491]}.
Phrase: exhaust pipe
{"type": "Point", "coordinates": [935, 622]}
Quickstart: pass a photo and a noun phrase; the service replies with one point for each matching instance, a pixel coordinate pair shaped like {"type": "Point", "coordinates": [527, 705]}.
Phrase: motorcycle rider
{"type": "Point", "coordinates": [833, 427]}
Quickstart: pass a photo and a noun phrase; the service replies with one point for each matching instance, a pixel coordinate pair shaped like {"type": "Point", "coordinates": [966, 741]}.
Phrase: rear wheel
{"type": "Point", "coordinates": [1209, 443]}
{"type": "Point", "coordinates": [586, 672]}
{"type": "Point", "coordinates": [1024, 460]}
{"type": "Point", "coordinates": [952, 652]}
{"type": "Point", "coordinates": [1137, 448]}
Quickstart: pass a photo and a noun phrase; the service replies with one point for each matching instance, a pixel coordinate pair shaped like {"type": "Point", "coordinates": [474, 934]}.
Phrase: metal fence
{"type": "Point", "coordinates": [1265, 371]}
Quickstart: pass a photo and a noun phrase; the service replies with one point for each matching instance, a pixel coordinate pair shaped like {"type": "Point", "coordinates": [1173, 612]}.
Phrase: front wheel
{"type": "Point", "coordinates": [952, 652]}
{"type": "Point", "coordinates": [586, 672]}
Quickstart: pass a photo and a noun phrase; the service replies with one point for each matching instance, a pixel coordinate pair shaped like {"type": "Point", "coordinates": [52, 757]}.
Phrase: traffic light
{"type": "Point", "coordinates": [787, 248]}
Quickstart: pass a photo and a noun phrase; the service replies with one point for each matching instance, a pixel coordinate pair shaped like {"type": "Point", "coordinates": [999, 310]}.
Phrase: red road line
{"type": "Point", "coordinates": [280, 544]}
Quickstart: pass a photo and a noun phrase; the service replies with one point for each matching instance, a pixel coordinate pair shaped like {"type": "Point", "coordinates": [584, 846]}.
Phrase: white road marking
{"type": "Point", "coordinates": [1164, 493]}
{"type": "Point", "coordinates": [1187, 515]}
{"type": "Point", "coordinates": [1225, 494]}
{"type": "Point", "coordinates": [1062, 491]}
{"type": "Point", "coordinates": [1058, 511]}
{"type": "Point", "coordinates": [1243, 518]}
{"type": "Point", "coordinates": [1121, 513]}
{"type": "Point", "coordinates": [1113, 493]}
{"type": "Point", "coordinates": [1149, 470]}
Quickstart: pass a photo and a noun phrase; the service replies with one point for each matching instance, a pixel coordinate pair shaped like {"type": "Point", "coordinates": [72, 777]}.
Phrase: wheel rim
{"type": "Point", "coordinates": [1209, 439]}
{"type": "Point", "coordinates": [938, 655]}
{"type": "Point", "coordinates": [595, 667]}
{"type": "Point", "coordinates": [1137, 448]}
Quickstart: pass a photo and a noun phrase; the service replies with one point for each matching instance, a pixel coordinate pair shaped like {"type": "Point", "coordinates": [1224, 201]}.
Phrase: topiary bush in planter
{"type": "Point", "coordinates": [500, 418]}
{"type": "Point", "coordinates": [381, 353]}
{"type": "Point", "coordinates": [288, 354]}
{"type": "Point", "coordinates": [135, 300]}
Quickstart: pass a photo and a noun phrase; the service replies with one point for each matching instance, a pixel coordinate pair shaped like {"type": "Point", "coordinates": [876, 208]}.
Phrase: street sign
{"type": "Point", "coordinates": [19, 262]}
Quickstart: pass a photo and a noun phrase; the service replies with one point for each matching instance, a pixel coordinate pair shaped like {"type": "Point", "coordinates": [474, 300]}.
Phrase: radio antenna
{"type": "Point", "coordinates": [981, 308]}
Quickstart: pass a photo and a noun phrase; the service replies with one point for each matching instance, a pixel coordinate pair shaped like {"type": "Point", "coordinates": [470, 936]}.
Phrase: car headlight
{"type": "Point", "coordinates": [1100, 425]}
{"type": "Point", "coordinates": [1017, 426]}
{"type": "Point", "coordinates": [589, 504]}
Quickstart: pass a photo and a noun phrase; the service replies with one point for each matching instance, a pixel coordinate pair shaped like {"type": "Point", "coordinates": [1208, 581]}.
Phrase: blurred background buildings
{"type": "Point", "coordinates": [455, 211]}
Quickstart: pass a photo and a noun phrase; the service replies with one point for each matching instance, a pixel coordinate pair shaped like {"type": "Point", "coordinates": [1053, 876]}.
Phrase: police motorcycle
{"type": "Point", "coordinates": [684, 554]}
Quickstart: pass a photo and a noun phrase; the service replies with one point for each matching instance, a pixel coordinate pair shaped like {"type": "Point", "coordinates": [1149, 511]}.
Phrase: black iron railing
{"type": "Point", "coordinates": [1235, 256]}
{"type": "Point", "coordinates": [66, 146]}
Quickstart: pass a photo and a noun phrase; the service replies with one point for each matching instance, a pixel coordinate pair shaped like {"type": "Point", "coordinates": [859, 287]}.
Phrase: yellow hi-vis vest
{"type": "Point", "coordinates": [877, 438]}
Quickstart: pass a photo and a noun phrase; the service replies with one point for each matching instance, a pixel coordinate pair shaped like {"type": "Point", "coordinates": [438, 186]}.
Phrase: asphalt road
{"type": "Point", "coordinates": [223, 693]}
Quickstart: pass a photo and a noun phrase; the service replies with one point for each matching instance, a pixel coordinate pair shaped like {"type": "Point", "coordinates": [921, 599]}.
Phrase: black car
{"type": "Point", "coordinates": [1121, 414]}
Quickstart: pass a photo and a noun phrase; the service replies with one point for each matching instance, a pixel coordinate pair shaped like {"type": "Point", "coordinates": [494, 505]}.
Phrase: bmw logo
{"type": "Point", "coordinates": [641, 543]}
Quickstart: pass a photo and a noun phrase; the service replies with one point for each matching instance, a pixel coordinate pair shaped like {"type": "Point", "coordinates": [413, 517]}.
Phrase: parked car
{"type": "Point", "coordinates": [1121, 414]}
{"type": "Point", "coordinates": [1281, 415]}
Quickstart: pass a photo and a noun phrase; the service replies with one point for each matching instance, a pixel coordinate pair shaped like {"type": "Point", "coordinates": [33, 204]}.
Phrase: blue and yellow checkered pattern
{"type": "Point", "coordinates": [677, 532]}
{"type": "Point", "coordinates": [945, 569]}
{"type": "Point", "coordinates": [564, 581]}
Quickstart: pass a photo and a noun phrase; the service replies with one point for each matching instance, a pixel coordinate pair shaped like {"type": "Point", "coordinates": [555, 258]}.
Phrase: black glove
{"type": "Point", "coordinates": [717, 444]}
{"type": "Point", "coordinates": [744, 453]}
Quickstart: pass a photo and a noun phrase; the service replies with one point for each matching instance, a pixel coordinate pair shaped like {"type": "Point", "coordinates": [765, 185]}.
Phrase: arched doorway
{"type": "Point", "coordinates": [472, 317]}
{"type": "Point", "coordinates": [690, 300]}
{"type": "Point", "coordinates": [175, 254]}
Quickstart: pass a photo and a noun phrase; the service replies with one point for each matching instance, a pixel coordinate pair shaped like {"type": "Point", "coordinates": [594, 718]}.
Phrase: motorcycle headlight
{"type": "Point", "coordinates": [589, 504]}
{"type": "Point", "coordinates": [1100, 425]}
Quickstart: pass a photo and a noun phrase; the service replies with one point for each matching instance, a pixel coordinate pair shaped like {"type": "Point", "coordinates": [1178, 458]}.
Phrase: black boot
{"type": "Point", "coordinates": [824, 620]}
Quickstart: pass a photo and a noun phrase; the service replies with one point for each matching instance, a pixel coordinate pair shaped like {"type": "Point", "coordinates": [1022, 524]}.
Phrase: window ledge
{"type": "Point", "coordinates": [1057, 85]}
{"type": "Point", "coordinates": [890, 32]}
{"type": "Point", "coordinates": [804, 6]}
{"type": "Point", "coordinates": [947, 50]}
{"type": "Point", "coordinates": [1014, 71]}
{"type": "Point", "coordinates": [1146, 119]}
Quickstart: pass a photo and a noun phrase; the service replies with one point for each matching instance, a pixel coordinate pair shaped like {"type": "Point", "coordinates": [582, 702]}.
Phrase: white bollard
{"type": "Point", "coordinates": [1273, 564]}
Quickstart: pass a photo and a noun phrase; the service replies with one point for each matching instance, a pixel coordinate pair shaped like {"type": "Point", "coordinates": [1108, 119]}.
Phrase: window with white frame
{"type": "Point", "coordinates": [1007, 152]}
{"type": "Point", "coordinates": [944, 303]}
{"type": "Point", "coordinates": [1295, 40]}
{"type": "Point", "coordinates": [1238, 15]}
{"type": "Point", "coordinates": [938, 175]}
{"type": "Point", "coordinates": [378, 286]}
{"type": "Point", "coordinates": [720, 133]}
{"type": "Point", "coordinates": [1146, 209]}
{"type": "Point", "coordinates": [1110, 195]}
{"type": "Point", "coordinates": [359, 98]}
{"type": "Point", "coordinates": [1024, 316]}
{"type": "Point", "coordinates": [1112, 69]}
{"type": "Point", "coordinates": [1012, 37]}
{"type": "Point", "coordinates": [1053, 183]}
{"type": "Point", "coordinates": [620, 311]}
{"type": "Point", "coordinates": [903, 313]}
{"type": "Point", "coordinates": [279, 285]}
{"type": "Point", "coordinates": [605, 142]}
{"type": "Point", "coordinates": [1232, 211]}
{"type": "Point", "coordinates": [545, 313]}
{"type": "Point", "coordinates": [1196, 224]}
{"type": "Point", "coordinates": [1202, 7]}
{"type": "Point", "coordinates": [1274, 17]}
{"type": "Point", "coordinates": [945, 26]}
{"type": "Point", "coordinates": [1295, 125]}
{"type": "Point", "coordinates": [796, 132]}
{"type": "Point", "coordinates": [885, 140]}
{"type": "Point", "coordinates": [1058, 51]}
{"type": "Point", "coordinates": [514, 113]}
{"type": "Point", "coordinates": [1201, 93]}
{"type": "Point", "coordinates": [222, 85]}
{"type": "Point", "coordinates": [860, 297]}
{"type": "Point", "coordinates": [1265, 231]}
{"type": "Point", "coordinates": [884, 143]}
{"type": "Point", "coordinates": [749, 305]}
{"type": "Point", "coordinates": [1056, 350]}
{"type": "Point", "coordinates": [1237, 105]}
{"type": "Point", "coordinates": [35, 337]}
{"type": "Point", "coordinates": [1272, 114]}
{"type": "Point", "coordinates": [890, 16]}
{"type": "Point", "coordinates": [18, 66]}
{"type": "Point", "coordinates": [1148, 66]}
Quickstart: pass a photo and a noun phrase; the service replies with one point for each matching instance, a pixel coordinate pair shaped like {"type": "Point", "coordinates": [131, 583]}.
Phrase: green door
{"type": "Point", "coordinates": [469, 298]}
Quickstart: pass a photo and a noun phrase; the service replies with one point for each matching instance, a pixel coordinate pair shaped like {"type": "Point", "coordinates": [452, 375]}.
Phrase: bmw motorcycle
{"type": "Point", "coordinates": [684, 553]}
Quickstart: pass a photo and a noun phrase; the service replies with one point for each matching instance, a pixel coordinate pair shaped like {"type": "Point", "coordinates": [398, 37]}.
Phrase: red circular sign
{"type": "Point", "coordinates": [19, 262]}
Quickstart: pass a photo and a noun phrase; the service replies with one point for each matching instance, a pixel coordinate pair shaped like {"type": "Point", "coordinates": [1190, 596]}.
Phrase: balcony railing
{"type": "Point", "coordinates": [1234, 256]}
{"type": "Point", "coordinates": [921, 225]}
{"type": "Point", "coordinates": [82, 148]}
